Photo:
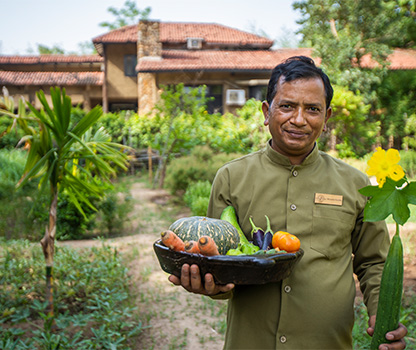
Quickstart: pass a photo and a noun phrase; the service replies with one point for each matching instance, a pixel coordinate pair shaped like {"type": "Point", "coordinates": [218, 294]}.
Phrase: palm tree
{"type": "Point", "coordinates": [66, 157]}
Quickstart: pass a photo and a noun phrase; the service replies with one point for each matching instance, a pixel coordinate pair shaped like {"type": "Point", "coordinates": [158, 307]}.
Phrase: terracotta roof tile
{"type": "Point", "coordinates": [127, 34]}
{"type": "Point", "coordinates": [176, 32]}
{"type": "Point", "coordinates": [210, 32]}
{"type": "Point", "coordinates": [399, 59]}
{"type": "Point", "coordinates": [50, 59]}
{"type": "Point", "coordinates": [51, 78]}
{"type": "Point", "coordinates": [215, 60]}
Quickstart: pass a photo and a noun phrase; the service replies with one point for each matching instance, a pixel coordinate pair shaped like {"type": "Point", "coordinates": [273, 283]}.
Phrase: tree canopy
{"type": "Point", "coordinates": [129, 14]}
{"type": "Point", "coordinates": [344, 34]}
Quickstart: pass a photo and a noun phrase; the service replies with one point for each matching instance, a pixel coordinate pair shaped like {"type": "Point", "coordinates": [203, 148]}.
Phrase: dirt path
{"type": "Point", "coordinates": [177, 319]}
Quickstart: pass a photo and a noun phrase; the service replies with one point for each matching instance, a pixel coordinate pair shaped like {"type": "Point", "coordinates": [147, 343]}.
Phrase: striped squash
{"type": "Point", "coordinates": [192, 228]}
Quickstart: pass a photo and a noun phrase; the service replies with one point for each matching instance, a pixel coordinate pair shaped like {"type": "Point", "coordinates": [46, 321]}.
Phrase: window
{"type": "Point", "coordinates": [130, 62]}
{"type": "Point", "coordinates": [258, 92]}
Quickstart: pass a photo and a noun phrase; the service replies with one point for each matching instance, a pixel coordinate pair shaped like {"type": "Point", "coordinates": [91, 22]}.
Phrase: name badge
{"type": "Point", "coordinates": [330, 199]}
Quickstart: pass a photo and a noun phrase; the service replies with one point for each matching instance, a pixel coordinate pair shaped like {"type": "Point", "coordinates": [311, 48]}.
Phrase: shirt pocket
{"type": "Point", "coordinates": [331, 230]}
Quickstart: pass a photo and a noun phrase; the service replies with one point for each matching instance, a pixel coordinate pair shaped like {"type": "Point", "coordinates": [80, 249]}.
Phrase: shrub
{"type": "Point", "coordinates": [113, 211]}
{"type": "Point", "coordinates": [197, 197]}
{"type": "Point", "coordinates": [201, 165]}
{"type": "Point", "coordinates": [71, 224]}
{"type": "Point", "coordinates": [16, 216]}
{"type": "Point", "coordinates": [408, 162]}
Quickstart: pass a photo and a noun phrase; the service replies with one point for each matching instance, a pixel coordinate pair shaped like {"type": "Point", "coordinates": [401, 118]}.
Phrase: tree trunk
{"type": "Point", "coordinates": [48, 246]}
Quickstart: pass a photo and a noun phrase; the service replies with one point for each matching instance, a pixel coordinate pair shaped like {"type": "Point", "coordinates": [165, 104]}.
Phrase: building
{"type": "Point", "coordinates": [80, 75]}
{"type": "Point", "coordinates": [134, 62]}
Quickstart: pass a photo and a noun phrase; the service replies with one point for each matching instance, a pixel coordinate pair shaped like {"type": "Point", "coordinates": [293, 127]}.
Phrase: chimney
{"type": "Point", "coordinates": [148, 42]}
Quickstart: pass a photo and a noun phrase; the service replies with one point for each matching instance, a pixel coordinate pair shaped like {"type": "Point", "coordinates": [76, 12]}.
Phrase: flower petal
{"type": "Point", "coordinates": [396, 172]}
{"type": "Point", "coordinates": [392, 156]}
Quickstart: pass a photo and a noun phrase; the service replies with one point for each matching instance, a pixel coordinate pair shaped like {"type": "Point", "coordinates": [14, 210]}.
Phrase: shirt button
{"type": "Point", "coordinates": [283, 339]}
{"type": "Point", "coordinates": [293, 206]}
{"type": "Point", "coordinates": [288, 289]}
{"type": "Point", "coordinates": [295, 173]}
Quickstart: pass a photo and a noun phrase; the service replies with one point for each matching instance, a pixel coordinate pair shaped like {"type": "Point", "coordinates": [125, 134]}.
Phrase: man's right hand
{"type": "Point", "coordinates": [191, 281]}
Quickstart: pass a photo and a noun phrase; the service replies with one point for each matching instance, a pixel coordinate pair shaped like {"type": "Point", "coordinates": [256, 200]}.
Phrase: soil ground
{"type": "Point", "coordinates": [174, 318]}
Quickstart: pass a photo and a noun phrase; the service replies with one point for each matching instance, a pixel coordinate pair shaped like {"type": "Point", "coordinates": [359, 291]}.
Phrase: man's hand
{"type": "Point", "coordinates": [191, 281]}
{"type": "Point", "coordinates": [395, 336]}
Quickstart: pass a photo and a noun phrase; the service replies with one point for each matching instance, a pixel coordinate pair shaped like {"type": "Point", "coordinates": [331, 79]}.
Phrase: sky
{"type": "Point", "coordinates": [26, 23]}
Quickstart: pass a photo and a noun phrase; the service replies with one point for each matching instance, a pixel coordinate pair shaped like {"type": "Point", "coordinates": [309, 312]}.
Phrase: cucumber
{"type": "Point", "coordinates": [390, 297]}
{"type": "Point", "coordinates": [229, 214]}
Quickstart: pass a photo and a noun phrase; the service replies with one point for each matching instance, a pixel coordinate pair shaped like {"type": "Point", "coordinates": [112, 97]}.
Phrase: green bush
{"type": "Point", "coordinates": [71, 224]}
{"type": "Point", "coordinates": [113, 211]}
{"type": "Point", "coordinates": [16, 216]}
{"type": "Point", "coordinates": [408, 162]}
{"type": "Point", "coordinates": [197, 197]}
{"type": "Point", "coordinates": [201, 165]}
{"type": "Point", "coordinates": [92, 299]}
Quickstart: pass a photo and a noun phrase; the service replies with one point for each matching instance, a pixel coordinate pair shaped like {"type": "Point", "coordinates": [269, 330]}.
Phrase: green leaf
{"type": "Point", "coordinates": [392, 198]}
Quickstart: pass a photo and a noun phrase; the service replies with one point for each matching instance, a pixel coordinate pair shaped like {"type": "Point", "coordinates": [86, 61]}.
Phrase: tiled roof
{"type": "Point", "coordinates": [211, 33]}
{"type": "Point", "coordinates": [399, 59]}
{"type": "Point", "coordinates": [216, 60]}
{"type": "Point", "coordinates": [51, 78]}
{"type": "Point", "coordinates": [176, 32]}
{"type": "Point", "coordinates": [127, 34]}
{"type": "Point", "coordinates": [50, 59]}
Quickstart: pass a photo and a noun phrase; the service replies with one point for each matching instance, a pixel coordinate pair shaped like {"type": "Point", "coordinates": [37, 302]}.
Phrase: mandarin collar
{"type": "Point", "coordinates": [280, 159]}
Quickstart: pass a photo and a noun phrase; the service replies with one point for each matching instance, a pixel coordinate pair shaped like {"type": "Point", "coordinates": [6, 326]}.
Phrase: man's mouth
{"type": "Point", "coordinates": [297, 134]}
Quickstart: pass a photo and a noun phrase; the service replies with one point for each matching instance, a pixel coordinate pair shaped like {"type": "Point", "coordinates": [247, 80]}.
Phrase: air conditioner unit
{"type": "Point", "coordinates": [235, 97]}
{"type": "Point", "coordinates": [194, 43]}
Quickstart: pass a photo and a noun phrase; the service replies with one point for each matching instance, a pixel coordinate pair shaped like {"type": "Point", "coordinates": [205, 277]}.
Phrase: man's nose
{"type": "Point", "coordinates": [298, 117]}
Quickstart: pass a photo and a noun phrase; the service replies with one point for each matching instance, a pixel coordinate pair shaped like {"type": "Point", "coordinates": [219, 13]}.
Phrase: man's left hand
{"type": "Point", "coordinates": [396, 336]}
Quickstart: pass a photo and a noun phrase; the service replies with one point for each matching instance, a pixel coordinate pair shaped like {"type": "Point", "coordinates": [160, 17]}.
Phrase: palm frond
{"type": "Point", "coordinates": [89, 119]}
{"type": "Point", "coordinates": [34, 169]}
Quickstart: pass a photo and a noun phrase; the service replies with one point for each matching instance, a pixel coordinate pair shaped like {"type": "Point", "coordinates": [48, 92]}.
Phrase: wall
{"type": "Point", "coordinates": [119, 86]}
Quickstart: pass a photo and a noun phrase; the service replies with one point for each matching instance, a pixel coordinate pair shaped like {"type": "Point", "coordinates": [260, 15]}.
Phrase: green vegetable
{"type": "Point", "coordinates": [192, 228]}
{"type": "Point", "coordinates": [229, 214]}
{"type": "Point", "coordinates": [234, 252]}
{"type": "Point", "coordinates": [391, 287]}
{"type": "Point", "coordinates": [249, 248]}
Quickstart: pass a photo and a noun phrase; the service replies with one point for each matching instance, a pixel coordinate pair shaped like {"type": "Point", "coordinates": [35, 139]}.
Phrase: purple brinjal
{"type": "Point", "coordinates": [257, 233]}
{"type": "Point", "coordinates": [268, 236]}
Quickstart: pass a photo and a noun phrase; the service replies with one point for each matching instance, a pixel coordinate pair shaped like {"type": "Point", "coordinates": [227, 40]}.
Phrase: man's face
{"type": "Point", "coordinates": [296, 116]}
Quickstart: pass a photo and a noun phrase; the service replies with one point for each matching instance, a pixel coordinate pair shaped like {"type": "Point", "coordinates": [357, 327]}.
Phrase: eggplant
{"type": "Point", "coordinates": [267, 242]}
{"type": "Point", "coordinates": [257, 233]}
{"type": "Point", "coordinates": [268, 236]}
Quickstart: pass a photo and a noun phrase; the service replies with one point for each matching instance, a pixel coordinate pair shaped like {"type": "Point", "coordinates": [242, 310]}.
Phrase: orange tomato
{"type": "Point", "coordinates": [276, 237]}
{"type": "Point", "coordinates": [288, 242]}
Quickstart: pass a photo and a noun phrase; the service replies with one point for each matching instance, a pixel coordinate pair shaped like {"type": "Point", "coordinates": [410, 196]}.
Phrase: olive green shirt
{"type": "Point", "coordinates": [319, 202]}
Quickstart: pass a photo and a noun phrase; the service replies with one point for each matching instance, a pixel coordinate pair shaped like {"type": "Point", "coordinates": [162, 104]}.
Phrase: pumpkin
{"type": "Point", "coordinates": [224, 234]}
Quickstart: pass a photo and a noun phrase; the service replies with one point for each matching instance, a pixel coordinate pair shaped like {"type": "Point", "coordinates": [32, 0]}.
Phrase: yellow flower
{"type": "Point", "coordinates": [384, 164]}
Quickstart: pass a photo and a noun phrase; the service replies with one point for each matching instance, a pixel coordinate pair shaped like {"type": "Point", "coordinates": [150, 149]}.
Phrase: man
{"type": "Point", "coordinates": [314, 196]}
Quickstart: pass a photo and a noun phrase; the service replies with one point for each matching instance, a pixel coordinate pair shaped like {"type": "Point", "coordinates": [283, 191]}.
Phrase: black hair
{"type": "Point", "coordinates": [298, 67]}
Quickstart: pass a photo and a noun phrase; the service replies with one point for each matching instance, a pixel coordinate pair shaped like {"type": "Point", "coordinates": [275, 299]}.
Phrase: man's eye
{"type": "Point", "coordinates": [286, 106]}
{"type": "Point", "coordinates": [314, 109]}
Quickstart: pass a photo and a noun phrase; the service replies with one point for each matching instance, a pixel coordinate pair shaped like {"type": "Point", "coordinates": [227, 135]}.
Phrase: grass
{"type": "Point", "coordinates": [93, 304]}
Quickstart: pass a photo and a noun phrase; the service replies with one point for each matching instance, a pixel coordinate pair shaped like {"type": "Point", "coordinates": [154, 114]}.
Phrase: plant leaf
{"type": "Point", "coordinates": [390, 199]}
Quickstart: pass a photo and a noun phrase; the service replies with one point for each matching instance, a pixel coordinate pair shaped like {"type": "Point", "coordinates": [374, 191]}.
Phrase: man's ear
{"type": "Point", "coordinates": [265, 109]}
{"type": "Point", "coordinates": [327, 116]}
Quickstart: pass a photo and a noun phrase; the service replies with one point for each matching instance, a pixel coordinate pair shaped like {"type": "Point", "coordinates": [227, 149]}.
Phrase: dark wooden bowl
{"type": "Point", "coordinates": [240, 269]}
